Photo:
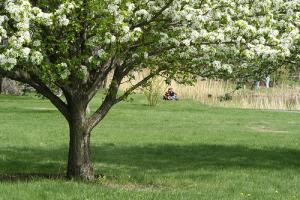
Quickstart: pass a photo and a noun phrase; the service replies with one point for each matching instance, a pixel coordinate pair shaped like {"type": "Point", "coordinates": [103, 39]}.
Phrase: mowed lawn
{"type": "Point", "coordinates": [177, 150]}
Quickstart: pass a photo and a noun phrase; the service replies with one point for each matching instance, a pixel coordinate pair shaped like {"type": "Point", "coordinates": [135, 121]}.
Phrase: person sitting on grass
{"type": "Point", "coordinates": [170, 95]}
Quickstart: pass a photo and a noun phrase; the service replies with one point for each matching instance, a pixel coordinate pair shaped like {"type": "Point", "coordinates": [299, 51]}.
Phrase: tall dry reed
{"type": "Point", "coordinates": [283, 97]}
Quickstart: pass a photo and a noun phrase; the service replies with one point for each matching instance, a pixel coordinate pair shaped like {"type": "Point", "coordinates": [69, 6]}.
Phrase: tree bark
{"type": "Point", "coordinates": [79, 160]}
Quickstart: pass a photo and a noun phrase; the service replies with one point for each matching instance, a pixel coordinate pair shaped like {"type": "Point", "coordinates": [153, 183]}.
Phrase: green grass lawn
{"type": "Point", "coordinates": [177, 150]}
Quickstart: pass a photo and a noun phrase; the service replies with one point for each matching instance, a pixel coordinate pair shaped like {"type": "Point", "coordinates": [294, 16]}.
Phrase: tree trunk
{"type": "Point", "coordinates": [267, 81]}
{"type": "Point", "coordinates": [79, 161]}
{"type": "Point", "coordinates": [0, 84]}
{"type": "Point", "coordinates": [257, 85]}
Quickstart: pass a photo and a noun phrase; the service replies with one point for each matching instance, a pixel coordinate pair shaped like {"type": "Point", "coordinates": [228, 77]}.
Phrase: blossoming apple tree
{"type": "Point", "coordinates": [75, 45]}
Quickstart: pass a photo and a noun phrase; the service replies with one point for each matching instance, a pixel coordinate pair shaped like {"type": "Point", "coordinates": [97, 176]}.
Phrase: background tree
{"type": "Point", "coordinates": [1, 84]}
{"type": "Point", "coordinates": [12, 87]}
{"type": "Point", "coordinates": [74, 45]}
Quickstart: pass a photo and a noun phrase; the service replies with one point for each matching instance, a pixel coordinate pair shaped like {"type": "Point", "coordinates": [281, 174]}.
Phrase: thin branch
{"type": "Point", "coordinates": [134, 87]}
{"type": "Point", "coordinates": [99, 77]}
{"type": "Point", "coordinates": [158, 14]}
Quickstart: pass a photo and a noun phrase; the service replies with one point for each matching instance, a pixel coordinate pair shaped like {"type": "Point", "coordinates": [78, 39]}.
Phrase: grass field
{"type": "Point", "coordinates": [177, 150]}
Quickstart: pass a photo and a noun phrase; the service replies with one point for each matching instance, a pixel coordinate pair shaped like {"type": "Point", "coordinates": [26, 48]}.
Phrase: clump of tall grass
{"type": "Point", "coordinates": [153, 91]}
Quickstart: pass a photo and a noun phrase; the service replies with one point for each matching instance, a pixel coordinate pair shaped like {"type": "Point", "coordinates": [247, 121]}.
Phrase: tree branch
{"type": "Point", "coordinates": [109, 100]}
{"type": "Point", "coordinates": [144, 23]}
{"type": "Point", "coordinates": [139, 84]}
{"type": "Point", "coordinates": [99, 77]}
{"type": "Point", "coordinates": [40, 87]}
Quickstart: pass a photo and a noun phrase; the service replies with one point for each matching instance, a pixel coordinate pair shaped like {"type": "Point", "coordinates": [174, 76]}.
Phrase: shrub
{"type": "Point", "coordinates": [226, 97]}
{"type": "Point", "coordinates": [153, 92]}
{"type": "Point", "coordinates": [291, 103]}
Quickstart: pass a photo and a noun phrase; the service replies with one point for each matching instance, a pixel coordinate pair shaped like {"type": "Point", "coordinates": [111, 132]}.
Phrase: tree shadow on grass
{"type": "Point", "coordinates": [25, 164]}
{"type": "Point", "coordinates": [170, 158]}
{"type": "Point", "coordinates": [19, 163]}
